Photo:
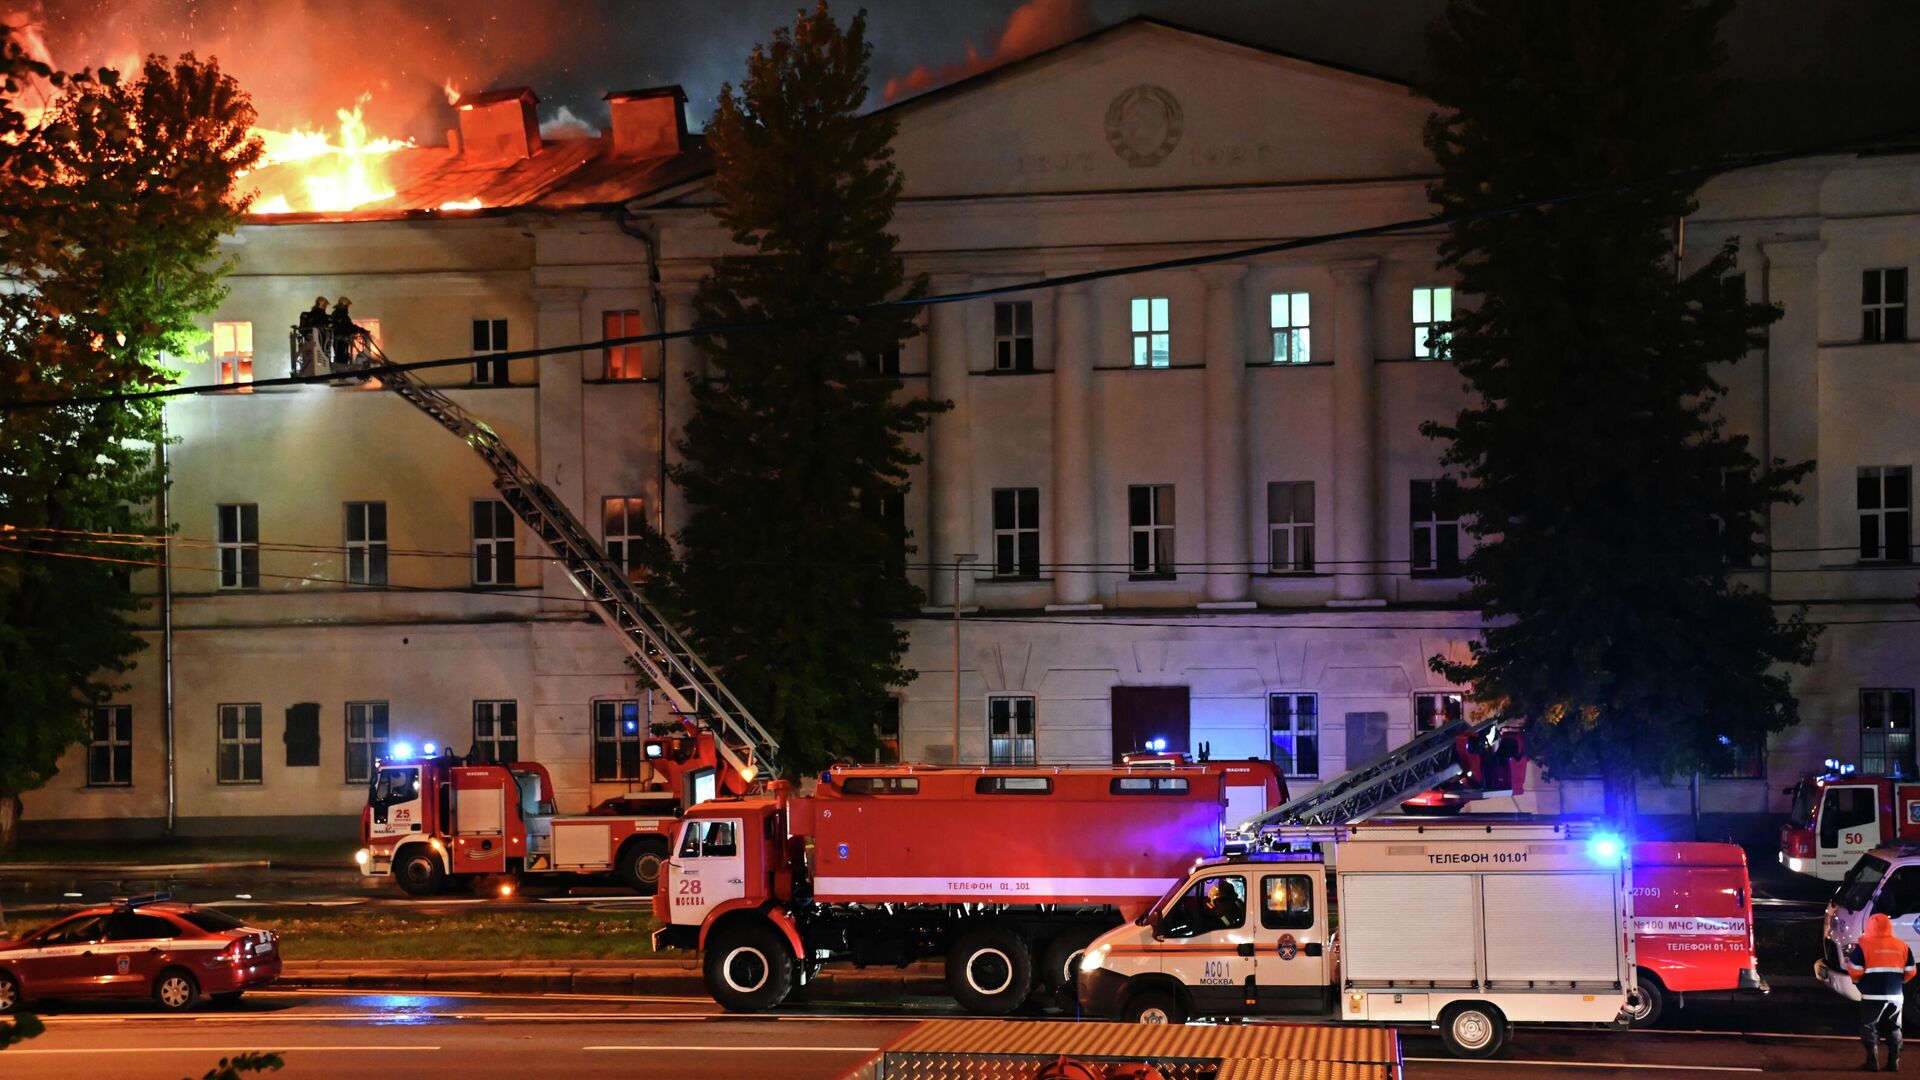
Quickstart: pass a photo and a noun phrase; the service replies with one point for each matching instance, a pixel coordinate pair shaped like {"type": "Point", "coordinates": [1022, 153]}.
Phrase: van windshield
{"type": "Point", "coordinates": [1857, 887]}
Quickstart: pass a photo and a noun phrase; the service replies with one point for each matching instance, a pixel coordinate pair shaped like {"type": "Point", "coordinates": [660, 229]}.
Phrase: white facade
{"type": "Point", "coordinates": [1139, 144]}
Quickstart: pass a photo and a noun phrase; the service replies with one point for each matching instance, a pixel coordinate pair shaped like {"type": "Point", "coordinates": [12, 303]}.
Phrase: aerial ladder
{"type": "Point", "coordinates": [1469, 752]}
{"type": "Point", "coordinates": [692, 688]}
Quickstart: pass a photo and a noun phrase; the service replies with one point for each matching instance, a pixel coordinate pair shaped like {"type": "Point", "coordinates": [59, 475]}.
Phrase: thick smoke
{"type": "Point", "coordinates": [1033, 27]}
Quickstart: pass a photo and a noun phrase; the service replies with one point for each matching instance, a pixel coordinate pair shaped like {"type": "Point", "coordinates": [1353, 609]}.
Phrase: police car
{"type": "Point", "coordinates": [139, 947]}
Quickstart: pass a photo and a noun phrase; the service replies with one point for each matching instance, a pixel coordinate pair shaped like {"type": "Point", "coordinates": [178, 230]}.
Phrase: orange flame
{"type": "Point", "coordinates": [315, 173]}
{"type": "Point", "coordinates": [464, 204]}
{"type": "Point", "coordinates": [452, 92]}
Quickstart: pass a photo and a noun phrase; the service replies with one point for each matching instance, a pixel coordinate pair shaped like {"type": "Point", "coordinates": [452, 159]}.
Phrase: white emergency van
{"type": "Point", "coordinates": [1470, 925]}
{"type": "Point", "coordinates": [1885, 881]}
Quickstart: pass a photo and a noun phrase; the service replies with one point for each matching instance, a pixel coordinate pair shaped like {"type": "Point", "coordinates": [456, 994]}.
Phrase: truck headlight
{"type": "Point", "coordinates": [362, 857]}
{"type": "Point", "coordinates": [1093, 958]}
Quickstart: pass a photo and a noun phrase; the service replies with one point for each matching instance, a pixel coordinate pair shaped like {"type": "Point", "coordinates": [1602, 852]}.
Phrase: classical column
{"type": "Point", "coordinates": [561, 426]}
{"type": "Point", "coordinates": [1793, 390]}
{"type": "Point", "coordinates": [1075, 584]}
{"type": "Point", "coordinates": [1356, 489]}
{"type": "Point", "coordinates": [1225, 429]}
{"type": "Point", "coordinates": [682, 359]}
{"type": "Point", "coordinates": [950, 444]}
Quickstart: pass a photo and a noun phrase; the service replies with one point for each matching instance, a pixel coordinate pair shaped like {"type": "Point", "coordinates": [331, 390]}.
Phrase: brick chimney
{"type": "Point", "coordinates": [648, 123]}
{"type": "Point", "coordinates": [499, 125]}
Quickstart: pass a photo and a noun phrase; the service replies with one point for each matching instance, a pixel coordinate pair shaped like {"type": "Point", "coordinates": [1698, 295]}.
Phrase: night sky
{"type": "Point", "coordinates": [1810, 71]}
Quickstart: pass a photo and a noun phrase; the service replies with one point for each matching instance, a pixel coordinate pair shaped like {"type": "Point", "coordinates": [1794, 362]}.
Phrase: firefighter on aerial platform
{"type": "Point", "coordinates": [349, 338]}
{"type": "Point", "coordinates": [311, 350]}
{"type": "Point", "coordinates": [1881, 965]}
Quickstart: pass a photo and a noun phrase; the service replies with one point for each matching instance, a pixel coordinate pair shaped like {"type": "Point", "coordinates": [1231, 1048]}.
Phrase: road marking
{"type": "Point", "coordinates": [1631, 1066]}
{"type": "Point", "coordinates": [214, 1049]}
{"type": "Point", "coordinates": [734, 1048]}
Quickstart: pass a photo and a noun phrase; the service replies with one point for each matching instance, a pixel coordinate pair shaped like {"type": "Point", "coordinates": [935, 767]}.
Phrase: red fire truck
{"type": "Point", "coordinates": [1692, 925]}
{"type": "Point", "coordinates": [1005, 872]}
{"type": "Point", "coordinates": [440, 821]}
{"type": "Point", "coordinates": [1841, 815]}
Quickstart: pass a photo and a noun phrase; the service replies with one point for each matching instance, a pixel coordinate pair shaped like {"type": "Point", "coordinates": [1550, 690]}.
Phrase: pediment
{"type": "Point", "coordinates": [1147, 105]}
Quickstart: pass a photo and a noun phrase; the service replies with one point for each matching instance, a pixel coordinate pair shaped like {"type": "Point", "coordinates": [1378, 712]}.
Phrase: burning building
{"type": "Point", "coordinates": [1205, 511]}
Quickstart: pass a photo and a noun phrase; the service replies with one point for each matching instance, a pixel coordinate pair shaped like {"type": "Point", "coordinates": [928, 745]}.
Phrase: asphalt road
{"type": "Point", "coordinates": [473, 1036]}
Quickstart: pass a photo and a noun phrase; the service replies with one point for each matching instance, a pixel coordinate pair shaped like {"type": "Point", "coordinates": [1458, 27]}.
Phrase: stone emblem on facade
{"type": "Point", "coordinates": [1144, 124]}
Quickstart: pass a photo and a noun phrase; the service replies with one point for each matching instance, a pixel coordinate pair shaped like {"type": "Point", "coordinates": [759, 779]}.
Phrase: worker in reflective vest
{"type": "Point", "coordinates": [1881, 965]}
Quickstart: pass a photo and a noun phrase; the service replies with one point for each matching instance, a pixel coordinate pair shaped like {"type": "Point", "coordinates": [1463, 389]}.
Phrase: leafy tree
{"type": "Point", "coordinates": [1607, 501]}
{"type": "Point", "coordinates": [112, 205]}
{"type": "Point", "coordinates": [789, 575]}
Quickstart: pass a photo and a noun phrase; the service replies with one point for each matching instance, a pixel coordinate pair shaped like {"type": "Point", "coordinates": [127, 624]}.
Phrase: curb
{"type": "Point", "coordinates": [129, 869]}
{"type": "Point", "coordinates": [591, 977]}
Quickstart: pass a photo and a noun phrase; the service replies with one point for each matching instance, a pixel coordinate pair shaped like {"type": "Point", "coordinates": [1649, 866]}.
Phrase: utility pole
{"type": "Point", "coordinates": [958, 561]}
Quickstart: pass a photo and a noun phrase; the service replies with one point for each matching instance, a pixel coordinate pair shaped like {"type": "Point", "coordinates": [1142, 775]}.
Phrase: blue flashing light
{"type": "Point", "coordinates": [1832, 764]}
{"type": "Point", "coordinates": [1606, 848]}
{"type": "Point", "coordinates": [401, 751]}
{"type": "Point", "coordinates": [1724, 741]}
{"type": "Point", "coordinates": [429, 749]}
{"type": "Point", "coordinates": [633, 725]}
{"type": "Point", "coordinates": [1158, 746]}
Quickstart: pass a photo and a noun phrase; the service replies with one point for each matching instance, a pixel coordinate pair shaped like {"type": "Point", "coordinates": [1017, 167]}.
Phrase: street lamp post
{"type": "Point", "coordinates": [958, 561]}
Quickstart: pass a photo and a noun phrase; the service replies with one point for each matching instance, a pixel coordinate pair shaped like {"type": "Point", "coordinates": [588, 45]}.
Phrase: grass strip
{"type": "Point", "coordinates": [565, 934]}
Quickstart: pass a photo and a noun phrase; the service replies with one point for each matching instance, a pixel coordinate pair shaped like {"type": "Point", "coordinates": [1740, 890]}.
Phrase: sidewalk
{"type": "Point", "coordinates": [586, 976]}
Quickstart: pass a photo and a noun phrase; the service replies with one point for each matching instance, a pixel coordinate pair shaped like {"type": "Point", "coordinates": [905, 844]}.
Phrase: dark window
{"type": "Point", "coordinates": [1433, 711]}
{"type": "Point", "coordinates": [367, 543]}
{"type": "Point", "coordinates": [213, 922]}
{"type": "Point", "coordinates": [110, 747]}
{"type": "Point", "coordinates": [1847, 807]}
{"type": "Point", "coordinates": [496, 731]}
{"type": "Point", "coordinates": [1286, 902]}
{"type": "Point", "coordinates": [1293, 722]}
{"type": "Point", "coordinates": [1366, 737]}
{"type": "Point", "coordinates": [1290, 527]}
{"type": "Point", "coordinates": [75, 931]}
{"type": "Point", "coordinates": [1013, 336]}
{"type": "Point", "coordinates": [884, 362]}
{"type": "Point", "coordinates": [489, 336]}
{"type": "Point", "coordinates": [132, 926]}
{"type": "Point", "coordinates": [302, 737]}
{"type": "Point", "coordinates": [1883, 304]}
{"type": "Point", "coordinates": [366, 738]}
{"type": "Point", "coordinates": [493, 545]}
{"type": "Point", "coordinates": [1150, 530]}
{"type": "Point", "coordinates": [1148, 785]}
{"type": "Point", "coordinates": [1011, 738]}
{"type": "Point", "coordinates": [1436, 528]}
{"type": "Point", "coordinates": [238, 539]}
{"type": "Point", "coordinates": [886, 732]}
{"type": "Point", "coordinates": [617, 737]}
{"type": "Point", "coordinates": [1210, 904]}
{"type": "Point", "coordinates": [1886, 732]}
{"type": "Point", "coordinates": [238, 760]}
{"type": "Point", "coordinates": [1016, 532]}
{"type": "Point", "coordinates": [1747, 760]}
{"type": "Point", "coordinates": [1900, 895]}
{"type": "Point", "coordinates": [881, 785]}
{"type": "Point", "coordinates": [1013, 785]}
{"type": "Point", "coordinates": [1883, 495]}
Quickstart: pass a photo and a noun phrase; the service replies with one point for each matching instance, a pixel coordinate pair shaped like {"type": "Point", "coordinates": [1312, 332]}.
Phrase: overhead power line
{"type": "Point", "coordinates": [1687, 178]}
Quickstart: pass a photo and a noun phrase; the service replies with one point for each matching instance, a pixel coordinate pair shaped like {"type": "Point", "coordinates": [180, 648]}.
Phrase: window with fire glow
{"type": "Point", "coordinates": [233, 352]}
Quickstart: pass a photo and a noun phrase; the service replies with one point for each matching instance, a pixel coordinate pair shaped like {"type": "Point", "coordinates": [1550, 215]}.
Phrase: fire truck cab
{"type": "Point", "coordinates": [1841, 815]}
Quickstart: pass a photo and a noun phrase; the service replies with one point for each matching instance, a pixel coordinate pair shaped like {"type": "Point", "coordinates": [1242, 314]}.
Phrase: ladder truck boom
{"type": "Point", "coordinates": [692, 688]}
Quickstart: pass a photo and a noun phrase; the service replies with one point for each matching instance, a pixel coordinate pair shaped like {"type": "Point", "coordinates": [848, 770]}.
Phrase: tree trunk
{"type": "Point", "coordinates": [9, 819]}
{"type": "Point", "coordinates": [1622, 794]}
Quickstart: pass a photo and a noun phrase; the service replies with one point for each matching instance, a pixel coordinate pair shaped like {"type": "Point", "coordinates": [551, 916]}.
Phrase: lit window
{"type": "Point", "coordinates": [366, 738]}
{"type": "Point", "coordinates": [1437, 710]}
{"type": "Point", "coordinates": [617, 738]}
{"type": "Point", "coordinates": [1150, 530]}
{"type": "Point", "coordinates": [110, 747]}
{"type": "Point", "coordinates": [1886, 732]}
{"type": "Point", "coordinates": [367, 543]}
{"type": "Point", "coordinates": [1293, 727]}
{"type": "Point", "coordinates": [1013, 336]}
{"type": "Point", "coordinates": [622, 361]}
{"type": "Point", "coordinates": [1883, 304]}
{"type": "Point", "coordinates": [1432, 310]}
{"type": "Point", "coordinates": [496, 731]}
{"type": "Point", "coordinates": [1290, 527]}
{"type": "Point", "coordinates": [1150, 340]}
{"type": "Point", "coordinates": [238, 761]}
{"type": "Point", "coordinates": [489, 336]}
{"type": "Point", "coordinates": [1291, 338]}
{"type": "Point", "coordinates": [233, 352]}
{"type": "Point", "coordinates": [623, 521]}
{"type": "Point", "coordinates": [1010, 730]}
{"type": "Point", "coordinates": [493, 546]}
{"type": "Point", "coordinates": [1436, 528]}
{"type": "Point", "coordinates": [1884, 498]}
{"type": "Point", "coordinates": [237, 537]}
{"type": "Point", "coordinates": [1016, 532]}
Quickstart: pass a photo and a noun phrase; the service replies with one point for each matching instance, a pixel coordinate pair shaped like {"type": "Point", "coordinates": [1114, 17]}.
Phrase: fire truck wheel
{"type": "Point", "coordinates": [1153, 1007]}
{"type": "Point", "coordinates": [175, 990]}
{"type": "Point", "coordinates": [749, 967]}
{"type": "Point", "coordinates": [419, 873]}
{"type": "Point", "coordinates": [639, 864]}
{"type": "Point", "coordinates": [1061, 969]}
{"type": "Point", "coordinates": [1647, 1002]}
{"type": "Point", "coordinates": [990, 970]}
{"type": "Point", "coordinates": [1473, 1029]}
{"type": "Point", "coordinates": [9, 994]}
